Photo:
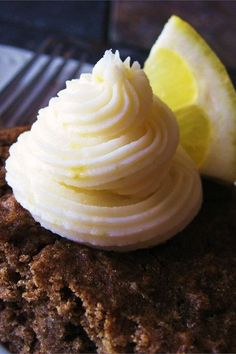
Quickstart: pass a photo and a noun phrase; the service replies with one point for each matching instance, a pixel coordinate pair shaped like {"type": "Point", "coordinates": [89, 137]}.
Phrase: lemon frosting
{"type": "Point", "coordinates": [102, 164]}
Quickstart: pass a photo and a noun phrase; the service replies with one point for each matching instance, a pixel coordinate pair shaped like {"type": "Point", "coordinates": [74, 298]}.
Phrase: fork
{"type": "Point", "coordinates": [39, 79]}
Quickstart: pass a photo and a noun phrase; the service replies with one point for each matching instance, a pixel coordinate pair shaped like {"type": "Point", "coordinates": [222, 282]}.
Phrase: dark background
{"type": "Point", "coordinates": [131, 26]}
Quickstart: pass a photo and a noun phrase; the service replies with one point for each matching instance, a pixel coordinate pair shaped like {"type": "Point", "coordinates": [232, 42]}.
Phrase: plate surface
{"type": "Point", "coordinates": [12, 59]}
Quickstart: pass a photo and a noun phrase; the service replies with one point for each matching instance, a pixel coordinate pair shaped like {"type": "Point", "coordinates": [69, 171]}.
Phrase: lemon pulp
{"type": "Point", "coordinates": [171, 79]}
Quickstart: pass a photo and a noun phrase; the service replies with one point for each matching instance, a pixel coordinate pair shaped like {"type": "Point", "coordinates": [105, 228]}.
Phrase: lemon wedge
{"type": "Point", "coordinates": [188, 76]}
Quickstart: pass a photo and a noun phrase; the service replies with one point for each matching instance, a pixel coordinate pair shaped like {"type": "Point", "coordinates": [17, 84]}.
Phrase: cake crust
{"type": "Point", "coordinates": [57, 296]}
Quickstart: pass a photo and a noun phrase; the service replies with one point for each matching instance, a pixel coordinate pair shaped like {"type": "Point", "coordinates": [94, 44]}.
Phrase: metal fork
{"type": "Point", "coordinates": [38, 80]}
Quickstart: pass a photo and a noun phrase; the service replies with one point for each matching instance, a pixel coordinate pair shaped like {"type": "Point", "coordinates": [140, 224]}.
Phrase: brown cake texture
{"type": "Point", "coordinates": [57, 296]}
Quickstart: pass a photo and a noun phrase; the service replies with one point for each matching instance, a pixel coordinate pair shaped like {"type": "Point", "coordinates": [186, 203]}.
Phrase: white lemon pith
{"type": "Point", "coordinates": [188, 76]}
{"type": "Point", "coordinates": [102, 165]}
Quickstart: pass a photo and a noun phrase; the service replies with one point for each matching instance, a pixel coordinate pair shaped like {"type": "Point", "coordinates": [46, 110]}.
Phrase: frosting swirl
{"type": "Point", "coordinates": [102, 166]}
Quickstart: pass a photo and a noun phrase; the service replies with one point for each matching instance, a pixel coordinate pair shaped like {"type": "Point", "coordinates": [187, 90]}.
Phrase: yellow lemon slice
{"type": "Point", "coordinates": [188, 76]}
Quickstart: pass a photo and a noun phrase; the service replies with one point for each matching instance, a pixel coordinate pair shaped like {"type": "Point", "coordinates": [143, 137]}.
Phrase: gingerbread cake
{"type": "Point", "coordinates": [57, 296]}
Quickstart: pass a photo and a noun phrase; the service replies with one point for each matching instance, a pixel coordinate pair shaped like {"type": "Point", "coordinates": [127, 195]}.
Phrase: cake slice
{"type": "Point", "coordinates": [57, 296]}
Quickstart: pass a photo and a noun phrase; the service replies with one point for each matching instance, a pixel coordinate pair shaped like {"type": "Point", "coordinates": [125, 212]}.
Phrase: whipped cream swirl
{"type": "Point", "coordinates": [102, 165]}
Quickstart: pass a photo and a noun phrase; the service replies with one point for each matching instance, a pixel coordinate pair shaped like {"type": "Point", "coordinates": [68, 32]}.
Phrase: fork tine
{"type": "Point", "coordinates": [12, 105]}
{"type": "Point", "coordinates": [6, 90]}
{"type": "Point", "coordinates": [50, 89]}
{"type": "Point", "coordinates": [77, 70]}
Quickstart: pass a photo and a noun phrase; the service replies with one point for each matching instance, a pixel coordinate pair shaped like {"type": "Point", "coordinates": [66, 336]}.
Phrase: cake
{"type": "Point", "coordinates": [57, 296]}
